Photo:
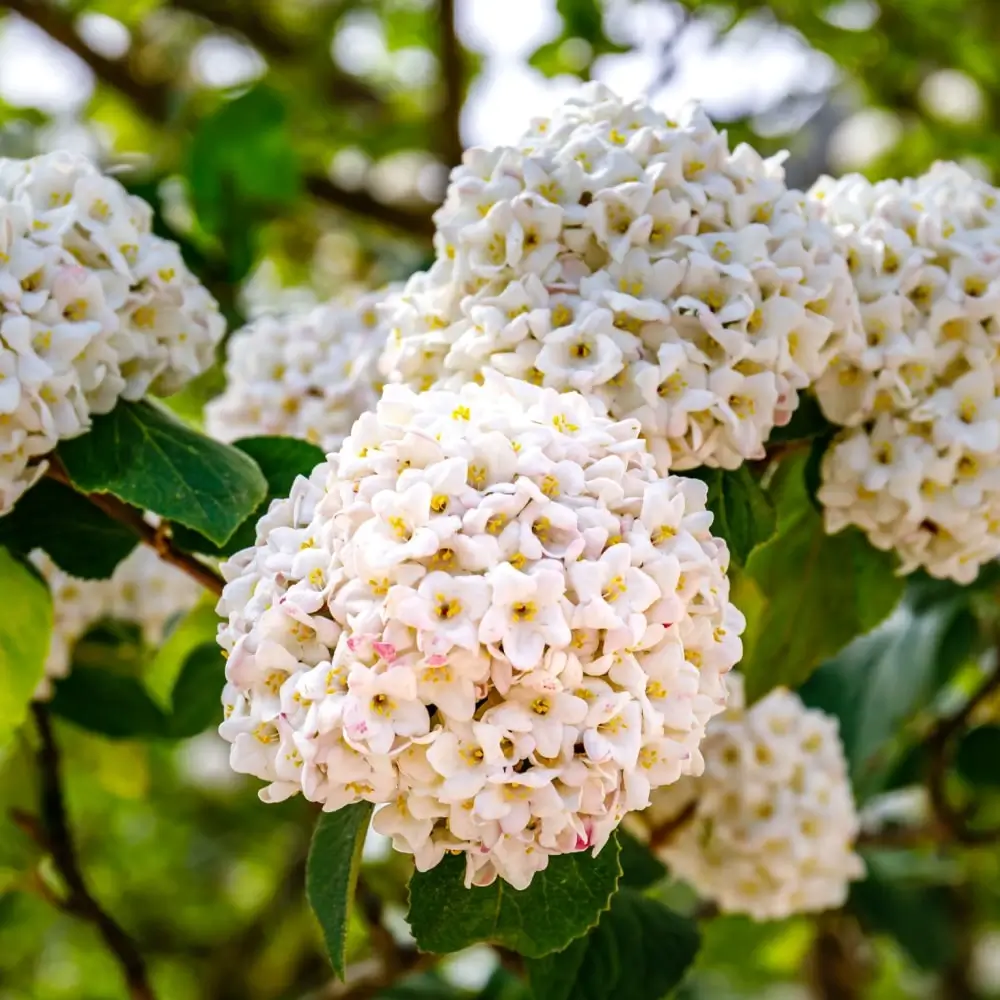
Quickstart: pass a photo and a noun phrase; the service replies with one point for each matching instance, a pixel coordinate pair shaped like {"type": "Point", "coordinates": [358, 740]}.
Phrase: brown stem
{"type": "Point", "coordinates": [417, 222]}
{"type": "Point", "coordinates": [157, 539]}
{"type": "Point", "coordinates": [59, 842]}
{"type": "Point", "coordinates": [452, 77]}
{"type": "Point", "coordinates": [840, 964]}
{"type": "Point", "coordinates": [661, 834]}
{"type": "Point", "coordinates": [153, 100]}
{"type": "Point", "coordinates": [954, 820]}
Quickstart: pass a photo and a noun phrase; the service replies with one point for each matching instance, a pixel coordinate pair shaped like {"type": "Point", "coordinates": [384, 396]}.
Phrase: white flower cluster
{"type": "Point", "coordinates": [143, 590]}
{"type": "Point", "coordinates": [638, 260]}
{"type": "Point", "coordinates": [93, 307]}
{"type": "Point", "coordinates": [490, 616]}
{"type": "Point", "coordinates": [919, 469]}
{"type": "Point", "coordinates": [769, 829]}
{"type": "Point", "coordinates": [307, 376]}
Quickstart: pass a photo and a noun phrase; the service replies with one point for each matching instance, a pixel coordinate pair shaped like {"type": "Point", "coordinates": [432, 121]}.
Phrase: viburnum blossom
{"type": "Point", "coordinates": [489, 616]}
{"type": "Point", "coordinates": [142, 590]}
{"type": "Point", "coordinates": [918, 468]}
{"type": "Point", "coordinates": [639, 261]}
{"type": "Point", "coordinates": [769, 828]}
{"type": "Point", "coordinates": [307, 376]}
{"type": "Point", "coordinates": [93, 307]}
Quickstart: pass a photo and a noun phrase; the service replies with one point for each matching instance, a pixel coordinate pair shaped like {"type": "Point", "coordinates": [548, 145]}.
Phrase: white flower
{"type": "Point", "coordinates": [616, 253]}
{"type": "Point", "coordinates": [307, 375]}
{"type": "Point", "coordinates": [769, 828]}
{"type": "Point", "coordinates": [93, 308]}
{"type": "Point", "coordinates": [403, 631]}
{"type": "Point", "coordinates": [918, 469]}
{"type": "Point", "coordinates": [142, 590]}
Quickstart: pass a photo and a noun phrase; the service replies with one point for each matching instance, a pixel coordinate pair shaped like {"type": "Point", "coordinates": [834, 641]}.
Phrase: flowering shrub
{"type": "Point", "coordinates": [475, 617]}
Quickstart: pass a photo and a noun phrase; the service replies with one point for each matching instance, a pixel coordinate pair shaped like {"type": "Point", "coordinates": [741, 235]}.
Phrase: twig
{"type": "Point", "coordinates": [154, 101]}
{"type": "Point", "coordinates": [417, 222]}
{"type": "Point", "coordinates": [59, 842]}
{"type": "Point", "coordinates": [661, 834]}
{"type": "Point", "coordinates": [452, 78]}
{"type": "Point", "coordinates": [941, 741]}
{"type": "Point", "coordinates": [156, 538]}
{"type": "Point", "coordinates": [840, 964]}
{"type": "Point", "coordinates": [243, 18]}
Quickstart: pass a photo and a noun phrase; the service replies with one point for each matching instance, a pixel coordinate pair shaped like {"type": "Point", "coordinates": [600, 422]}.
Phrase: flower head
{"type": "Point", "coordinates": [639, 260]}
{"type": "Point", "coordinates": [918, 467]}
{"type": "Point", "coordinates": [478, 631]}
{"type": "Point", "coordinates": [308, 375]}
{"type": "Point", "coordinates": [769, 828]}
{"type": "Point", "coordinates": [93, 308]}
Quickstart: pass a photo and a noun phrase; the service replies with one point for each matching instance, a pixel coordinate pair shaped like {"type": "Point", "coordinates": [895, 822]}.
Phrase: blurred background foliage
{"type": "Point", "coordinates": [296, 150]}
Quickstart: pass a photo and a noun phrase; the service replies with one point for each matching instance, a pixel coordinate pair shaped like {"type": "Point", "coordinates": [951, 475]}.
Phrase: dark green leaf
{"type": "Point", "coordinates": [196, 696]}
{"type": "Point", "coordinates": [807, 422]}
{"type": "Point", "coordinates": [332, 874]}
{"type": "Point", "coordinates": [119, 706]}
{"type": "Point", "coordinates": [102, 701]}
{"type": "Point", "coordinates": [143, 455]}
{"type": "Point", "coordinates": [916, 916]}
{"type": "Point", "coordinates": [820, 591]}
{"type": "Point", "coordinates": [280, 459]}
{"type": "Point", "coordinates": [744, 516]}
{"type": "Point", "coordinates": [640, 867]}
{"type": "Point", "coordinates": [640, 950]}
{"type": "Point", "coordinates": [25, 631]}
{"type": "Point", "coordinates": [562, 902]}
{"type": "Point", "coordinates": [80, 539]}
{"type": "Point", "coordinates": [978, 756]}
{"type": "Point", "coordinates": [881, 680]}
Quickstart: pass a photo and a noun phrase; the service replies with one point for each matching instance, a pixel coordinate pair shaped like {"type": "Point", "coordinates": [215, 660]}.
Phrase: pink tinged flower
{"type": "Point", "coordinates": [382, 706]}
{"type": "Point", "coordinates": [544, 712]}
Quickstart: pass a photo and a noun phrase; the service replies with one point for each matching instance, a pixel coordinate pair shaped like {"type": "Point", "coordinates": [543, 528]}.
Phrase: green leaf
{"type": "Point", "coordinates": [143, 455]}
{"type": "Point", "coordinates": [332, 874]}
{"type": "Point", "coordinates": [977, 756]}
{"type": "Point", "coordinates": [281, 460]}
{"type": "Point", "coordinates": [640, 867]}
{"type": "Point", "coordinates": [807, 422]}
{"type": "Point", "coordinates": [243, 168]}
{"type": "Point", "coordinates": [105, 702]}
{"type": "Point", "coordinates": [197, 693]}
{"type": "Point", "coordinates": [80, 539]}
{"type": "Point", "coordinates": [118, 706]}
{"type": "Point", "coordinates": [25, 632]}
{"type": "Point", "coordinates": [879, 681]}
{"type": "Point", "coordinates": [917, 917]}
{"type": "Point", "coordinates": [198, 627]}
{"type": "Point", "coordinates": [744, 516]}
{"type": "Point", "coordinates": [820, 591]}
{"type": "Point", "coordinates": [561, 903]}
{"type": "Point", "coordinates": [640, 950]}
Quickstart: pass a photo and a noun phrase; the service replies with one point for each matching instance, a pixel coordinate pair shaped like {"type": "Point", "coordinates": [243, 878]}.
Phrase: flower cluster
{"type": "Point", "coordinates": [490, 616]}
{"type": "Point", "coordinates": [142, 590]}
{"type": "Point", "coordinates": [307, 376]}
{"type": "Point", "coordinates": [93, 307]}
{"type": "Point", "coordinates": [919, 467]}
{"type": "Point", "coordinates": [639, 261]}
{"type": "Point", "coordinates": [769, 829]}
